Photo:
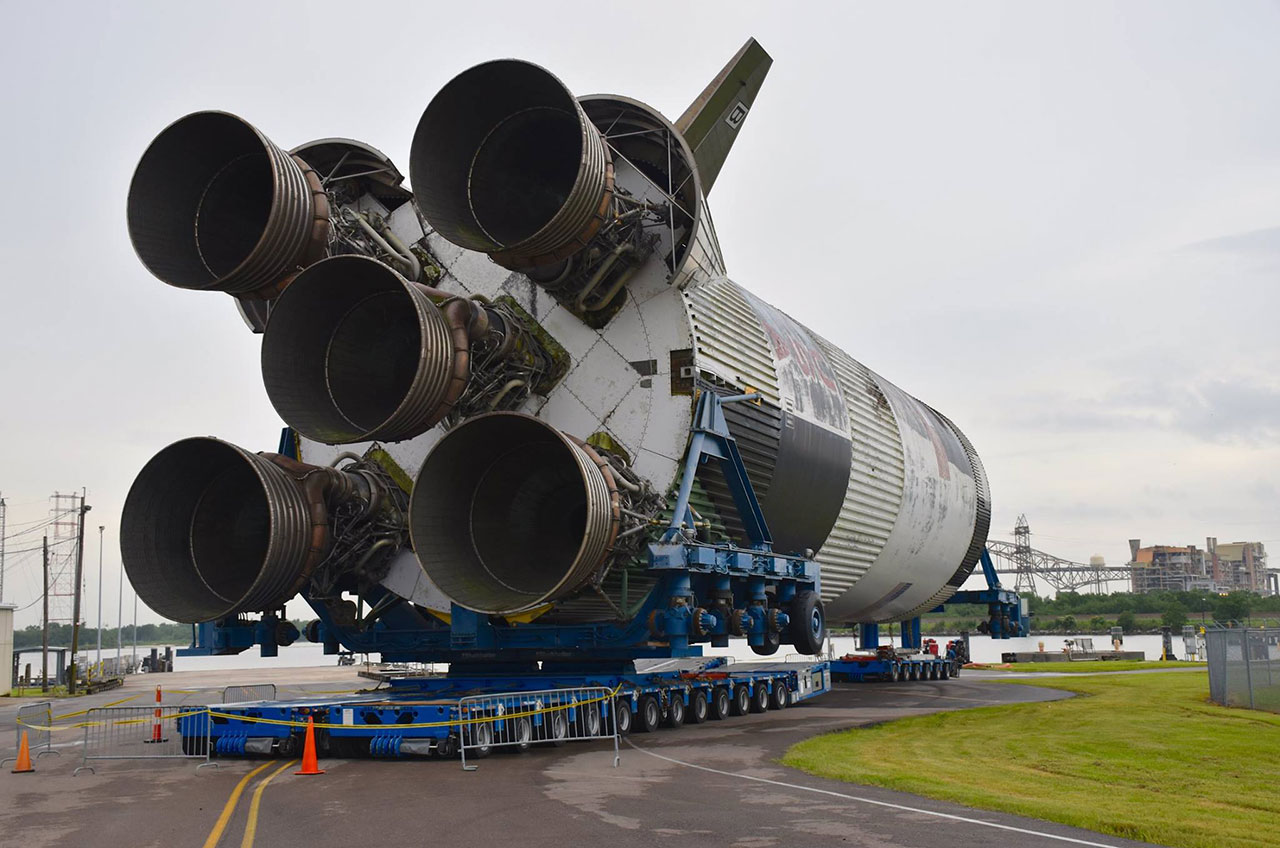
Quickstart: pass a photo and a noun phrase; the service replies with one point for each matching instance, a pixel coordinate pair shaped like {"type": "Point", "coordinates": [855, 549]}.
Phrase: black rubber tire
{"type": "Point", "coordinates": [741, 700]}
{"type": "Point", "coordinates": [760, 698]}
{"type": "Point", "coordinates": [900, 673]}
{"type": "Point", "coordinates": [808, 627]}
{"type": "Point", "coordinates": [675, 711]}
{"type": "Point", "coordinates": [721, 703]}
{"type": "Point", "coordinates": [447, 747]}
{"type": "Point", "coordinates": [914, 672]}
{"type": "Point", "coordinates": [955, 669]}
{"type": "Point", "coordinates": [780, 698]}
{"type": "Point", "coordinates": [557, 728]}
{"type": "Point", "coordinates": [944, 671]}
{"type": "Point", "coordinates": [591, 723]}
{"type": "Point", "coordinates": [772, 641]}
{"type": "Point", "coordinates": [648, 714]}
{"type": "Point", "coordinates": [622, 716]}
{"type": "Point", "coordinates": [933, 670]}
{"type": "Point", "coordinates": [482, 739]}
{"type": "Point", "coordinates": [698, 710]}
{"type": "Point", "coordinates": [521, 734]}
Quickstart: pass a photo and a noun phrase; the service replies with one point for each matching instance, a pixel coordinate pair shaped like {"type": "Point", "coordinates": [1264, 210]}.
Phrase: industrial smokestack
{"type": "Point", "coordinates": [504, 161]}
{"type": "Point", "coordinates": [216, 206]}
{"type": "Point", "coordinates": [354, 352]}
{"type": "Point", "coordinates": [509, 514]}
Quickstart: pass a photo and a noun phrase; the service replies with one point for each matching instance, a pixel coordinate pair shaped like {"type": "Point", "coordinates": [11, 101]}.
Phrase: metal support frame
{"type": "Point", "coordinates": [666, 625]}
{"type": "Point", "coordinates": [1006, 617]}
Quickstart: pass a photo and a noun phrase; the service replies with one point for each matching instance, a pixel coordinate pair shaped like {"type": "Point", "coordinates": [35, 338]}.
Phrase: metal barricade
{"type": "Point", "coordinates": [520, 719]}
{"type": "Point", "coordinates": [146, 733]}
{"type": "Point", "coordinates": [1244, 667]}
{"type": "Point", "coordinates": [250, 692]}
{"type": "Point", "coordinates": [37, 721]}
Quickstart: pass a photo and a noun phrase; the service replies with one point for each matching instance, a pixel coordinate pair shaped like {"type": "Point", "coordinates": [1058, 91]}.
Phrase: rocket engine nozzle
{"type": "Point", "coordinates": [216, 206]}
{"type": "Point", "coordinates": [211, 530]}
{"type": "Point", "coordinates": [354, 352]}
{"type": "Point", "coordinates": [505, 161]}
{"type": "Point", "coordinates": [509, 514]}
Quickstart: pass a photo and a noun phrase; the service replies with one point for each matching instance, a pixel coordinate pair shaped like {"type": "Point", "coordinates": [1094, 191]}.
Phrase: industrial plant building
{"type": "Point", "coordinates": [1238, 566]}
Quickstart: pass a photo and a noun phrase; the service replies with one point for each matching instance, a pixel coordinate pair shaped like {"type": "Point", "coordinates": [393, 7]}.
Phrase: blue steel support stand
{"type": "Point", "coordinates": [1005, 618]}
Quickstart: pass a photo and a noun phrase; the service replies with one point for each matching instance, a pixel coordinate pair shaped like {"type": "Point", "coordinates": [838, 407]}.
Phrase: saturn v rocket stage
{"type": "Point", "coordinates": [493, 380]}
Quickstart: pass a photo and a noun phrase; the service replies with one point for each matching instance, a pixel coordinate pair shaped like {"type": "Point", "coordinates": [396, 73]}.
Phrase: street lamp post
{"type": "Point", "coordinates": [101, 528]}
{"type": "Point", "coordinates": [119, 621]}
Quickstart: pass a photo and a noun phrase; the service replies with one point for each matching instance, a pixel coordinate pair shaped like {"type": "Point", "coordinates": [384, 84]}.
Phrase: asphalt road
{"type": "Point", "coordinates": [716, 784]}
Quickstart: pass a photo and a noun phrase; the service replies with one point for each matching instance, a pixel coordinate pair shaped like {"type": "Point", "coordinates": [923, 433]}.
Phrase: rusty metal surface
{"type": "Point", "coordinates": [214, 205]}
{"type": "Point", "coordinates": [497, 487]}
{"type": "Point", "coordinates": [210, 530]}
{"type": "Point", "coordinates": [504, 161]}
{"type": "Point", "coordinates": [353, 352]}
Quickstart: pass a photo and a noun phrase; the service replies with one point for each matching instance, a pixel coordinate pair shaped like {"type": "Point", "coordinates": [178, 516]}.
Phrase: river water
{"type": "Point", "coordinates": [983, 650]}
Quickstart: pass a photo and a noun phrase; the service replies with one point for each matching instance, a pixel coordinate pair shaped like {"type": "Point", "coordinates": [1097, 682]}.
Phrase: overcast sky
{"type": "Point", "coordinates": [1057, 223]}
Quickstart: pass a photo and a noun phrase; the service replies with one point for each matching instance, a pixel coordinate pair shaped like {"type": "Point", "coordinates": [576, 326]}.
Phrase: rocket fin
{"type": "Point", "coordinates": [711, 123]}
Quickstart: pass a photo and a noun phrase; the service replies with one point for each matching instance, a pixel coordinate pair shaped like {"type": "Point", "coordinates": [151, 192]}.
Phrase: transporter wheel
{"type": "Point", "coordinates": [480, 741]}
{"type": "Point", "coordinates": [914, 673]}
{"type": "Point", "coordinates": [675, 710]}
{"type": "Point", "coordinates": [698, 708]}
{"type": "Point", "coordinates": [933, 670]}
{"type": "Point", "coordinates": [648, 714]}
{"type": "Point", "coordinates": [945, 671]}
{"type": "Point", "coordinates": [780, 698]}
{"type": "Point", "coordinates": [622, 715]}
{"type": "Point", "coordinates": [899, 672]}
{"type": "Point", "coordinates": [558, 728]}
{"type": "Point", "coordinates": [955, 668]}
{"type": "Point", "coordinates": [772, 641]}
{"type": "Point", "coordinates": [721, 703]}
{"type": "Point", "coordinates": [808, 627]}
{"type": "Point", "coordinates": [591, 720]}
{"type": "Point", "coordinates": [741, 700]}
{"type": "Point", "coordinates": [289, 746]}
{"type": "Point", "coordinates": [760, 698]}
{"type": "Point", "coordinates": [521, 734]}
{"type": "Point", "coordinates": [447, 747]}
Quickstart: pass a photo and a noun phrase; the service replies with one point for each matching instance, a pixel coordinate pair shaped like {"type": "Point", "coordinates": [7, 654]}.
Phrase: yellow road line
{"type": "Point", "coordinates": [221, 824]}
{"type": "Point", "coordinates": [251, 826]}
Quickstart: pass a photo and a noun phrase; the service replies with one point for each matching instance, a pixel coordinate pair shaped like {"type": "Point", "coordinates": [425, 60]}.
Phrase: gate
{"type": "Point", "coordinates": [37, 720]}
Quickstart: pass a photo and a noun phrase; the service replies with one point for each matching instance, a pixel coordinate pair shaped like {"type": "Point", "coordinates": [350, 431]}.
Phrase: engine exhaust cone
{"type": "Point", "coordinates": [504, 161]}
{"type": "Point", "coordinates": [211, 530]}
{"type": "Point", "coordinates": [354, 352]}
{"type": "Point", "coordinates": [215, 206]}
{"type": "Point", "coordinates": [509, 514]}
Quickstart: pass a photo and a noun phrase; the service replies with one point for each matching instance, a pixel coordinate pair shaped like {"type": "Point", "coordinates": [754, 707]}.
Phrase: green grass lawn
{"type": "Point", "coordinates": [1088, 666]}
{"type": "Point", "coordinates": [1139, 756]}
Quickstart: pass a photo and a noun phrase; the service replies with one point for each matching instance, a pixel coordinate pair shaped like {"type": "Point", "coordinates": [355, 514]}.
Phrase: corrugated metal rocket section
{"type": "Point", "coordinates": [710, 125]}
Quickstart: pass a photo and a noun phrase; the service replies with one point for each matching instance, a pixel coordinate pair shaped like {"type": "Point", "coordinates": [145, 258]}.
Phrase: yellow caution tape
{"type": "Point", "coordinates": [288, 723]}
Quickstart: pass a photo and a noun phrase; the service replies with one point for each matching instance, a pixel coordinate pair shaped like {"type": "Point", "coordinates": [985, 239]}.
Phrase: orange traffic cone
{"type": "Point", "coordinates": [156, 734]}
{"type": "Point", "coordinates": [309, 764]}
{"type": "Point", "coordinates": [23, 763]}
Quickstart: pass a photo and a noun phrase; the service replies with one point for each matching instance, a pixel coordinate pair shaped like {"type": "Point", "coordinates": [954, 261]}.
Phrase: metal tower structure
{"type": "Point", "coordinates": [64, 525]}
{"type": "Point", "coordinates": [1063, 575]}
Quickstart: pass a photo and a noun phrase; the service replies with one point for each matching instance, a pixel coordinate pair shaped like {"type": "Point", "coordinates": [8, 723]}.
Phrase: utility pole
{"type": "Point", "coordinates": [100, 529]}
{"type": "Point", "coordinates": [75, 614]}
{"type": "Point", "coordinates": [135, 629]}
{"type": "Point", "coordinates": [120, 621]}
{"type": "Point", "coordinates": [44, 641]}
{"type": "Point", "coordinates": [1, 550]}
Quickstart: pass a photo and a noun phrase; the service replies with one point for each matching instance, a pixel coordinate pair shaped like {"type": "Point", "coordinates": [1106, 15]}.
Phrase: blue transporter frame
{"type": "Point", "coordinates": [667, 625]}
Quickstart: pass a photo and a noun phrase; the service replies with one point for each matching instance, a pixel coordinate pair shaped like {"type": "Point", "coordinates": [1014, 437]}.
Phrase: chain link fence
{"type": "Point", "coordinates": [1244, 667]}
